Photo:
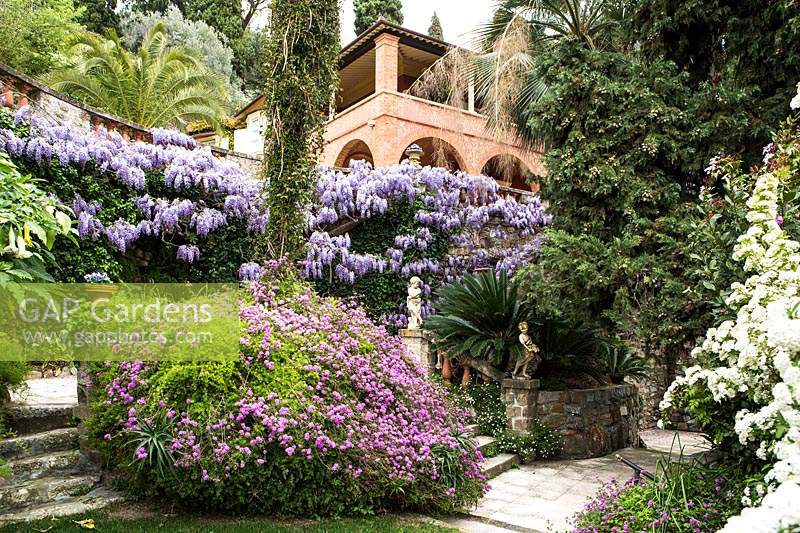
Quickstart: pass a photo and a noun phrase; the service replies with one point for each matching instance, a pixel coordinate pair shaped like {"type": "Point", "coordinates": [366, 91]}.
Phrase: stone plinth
{"type": "Point", "coordinates": [418, 342]}
{"type": "Point", "coordinates": [520, 397]}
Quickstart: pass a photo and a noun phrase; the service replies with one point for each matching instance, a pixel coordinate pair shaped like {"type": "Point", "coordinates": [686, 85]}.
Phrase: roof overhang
{"type": "Point", "coordinates": [366, 41]}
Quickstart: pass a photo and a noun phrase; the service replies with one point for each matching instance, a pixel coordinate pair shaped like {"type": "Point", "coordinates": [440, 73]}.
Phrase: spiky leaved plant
{"type": "Point", "coordinates": [478, 317]}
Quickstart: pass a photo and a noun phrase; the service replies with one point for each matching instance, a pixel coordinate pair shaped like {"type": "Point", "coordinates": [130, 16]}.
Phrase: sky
{"type": "Point", "coordinates": [458, 18]}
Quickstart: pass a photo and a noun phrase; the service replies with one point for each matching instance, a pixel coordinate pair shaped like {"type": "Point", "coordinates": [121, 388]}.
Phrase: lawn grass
{"type": "Point", "coordinates": [109, 523]}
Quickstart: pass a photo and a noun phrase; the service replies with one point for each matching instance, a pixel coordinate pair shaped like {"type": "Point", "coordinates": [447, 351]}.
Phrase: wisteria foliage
{"type": "Point", "coordinates": [214, 190]}
{"type": "Point", "coordinates": [457, 205]}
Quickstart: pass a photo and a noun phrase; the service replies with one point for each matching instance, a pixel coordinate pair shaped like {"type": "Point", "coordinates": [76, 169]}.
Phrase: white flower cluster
{"type": "Point", "coordinates": [777, 512]}
{"type": "Point", "coordinates": [756, 356]}
{"type": "Point", "coordinates": [795, 103]}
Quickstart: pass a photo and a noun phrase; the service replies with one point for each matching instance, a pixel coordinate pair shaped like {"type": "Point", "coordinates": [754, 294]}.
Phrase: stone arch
{"type": "Point", "coordinates": [437, 153]}
{"type": "Point", "coordinates": [354, 150]}
{"type": "Point", "coordinates": [508, 170]}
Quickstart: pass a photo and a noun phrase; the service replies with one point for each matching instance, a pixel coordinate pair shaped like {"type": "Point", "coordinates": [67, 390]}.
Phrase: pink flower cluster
{"type": "Point", "coordinates": [358, 405]}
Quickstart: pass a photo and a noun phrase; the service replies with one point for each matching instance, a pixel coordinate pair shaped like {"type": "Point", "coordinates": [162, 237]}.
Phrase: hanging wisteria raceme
{"type": "Point", "coordinates": [464, 208]}
{"type": "Point", "coordinates": [219, 190]}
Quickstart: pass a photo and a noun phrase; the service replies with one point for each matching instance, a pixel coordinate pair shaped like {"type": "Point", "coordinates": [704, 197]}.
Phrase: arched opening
{"type": "Point", "coordinates": [355, 150]}
{"type": "Point", "coordinates": [437, 153]}
{"type": "Point", "coordinates": [510, 171]}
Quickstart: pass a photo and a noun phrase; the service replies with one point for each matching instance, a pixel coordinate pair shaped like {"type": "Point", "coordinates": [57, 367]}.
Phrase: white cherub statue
{"type": "Point", "coordinates": [414, 303]}
{"type": "Point", "coordinates": [531, 354]}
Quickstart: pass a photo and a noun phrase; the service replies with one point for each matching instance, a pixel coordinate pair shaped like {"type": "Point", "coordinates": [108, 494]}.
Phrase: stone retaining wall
{"type": "Point", "coordinates": [592, 422]}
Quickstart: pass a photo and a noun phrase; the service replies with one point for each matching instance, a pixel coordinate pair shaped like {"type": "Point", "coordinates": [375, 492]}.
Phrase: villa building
{"type": "Point", "coordinates": [376, 118]}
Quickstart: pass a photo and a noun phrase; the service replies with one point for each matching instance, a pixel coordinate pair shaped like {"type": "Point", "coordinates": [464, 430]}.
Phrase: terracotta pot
{"type": "Point", "coordinates": [485, 378]}
{"type": "Point", "coordinates": [447, 370]}
{"type": "Point", "coordinates": [466, 377]}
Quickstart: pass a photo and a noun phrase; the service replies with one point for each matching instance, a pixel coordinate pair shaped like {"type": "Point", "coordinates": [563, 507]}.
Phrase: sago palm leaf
{"type": "Point", "coordinates": [478, 317]}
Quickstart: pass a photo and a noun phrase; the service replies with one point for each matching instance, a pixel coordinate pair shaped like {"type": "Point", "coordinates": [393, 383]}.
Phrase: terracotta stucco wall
{"type": "Point", "coordinates": [389, 121]}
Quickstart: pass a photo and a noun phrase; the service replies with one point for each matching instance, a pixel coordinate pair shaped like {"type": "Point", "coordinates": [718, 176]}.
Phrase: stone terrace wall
{"type": "Point", "coordinates": [593, 422]}
{"type": "Point", "coordinates": [19, 90]}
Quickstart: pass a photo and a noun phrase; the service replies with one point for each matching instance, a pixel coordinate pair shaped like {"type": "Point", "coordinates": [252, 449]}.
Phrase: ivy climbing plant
{"type": "Point", "coordinates": [301, 78]}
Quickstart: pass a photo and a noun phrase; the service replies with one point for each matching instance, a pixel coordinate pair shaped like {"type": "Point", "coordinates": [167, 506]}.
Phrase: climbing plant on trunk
{"type": "Point", "coordinates": [300, 80]}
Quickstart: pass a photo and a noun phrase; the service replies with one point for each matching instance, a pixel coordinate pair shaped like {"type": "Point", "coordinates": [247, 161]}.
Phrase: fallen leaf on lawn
{"type": "Point", "coordinates": [86, 524]}
{"type": "Point", "coordinates": [43, 530]}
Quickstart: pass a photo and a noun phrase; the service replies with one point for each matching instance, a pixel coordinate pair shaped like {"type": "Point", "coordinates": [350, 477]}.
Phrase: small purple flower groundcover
{"type": "Point", "coordinates": [683, 498]}
{"type": "Point", "coordinates": [97, 277]}
{"type": "Point", "coordinates": [323, 413]}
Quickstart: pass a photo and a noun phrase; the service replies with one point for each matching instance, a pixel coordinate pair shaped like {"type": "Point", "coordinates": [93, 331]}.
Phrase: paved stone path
{"type": "Point", "coordinates": [540, 497]}
{"type": "Point", "coordinates": [62, 390]}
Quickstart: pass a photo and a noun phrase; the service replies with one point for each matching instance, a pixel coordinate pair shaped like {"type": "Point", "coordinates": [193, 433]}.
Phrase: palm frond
{"type": "Point", "coordinates": [156, 86]}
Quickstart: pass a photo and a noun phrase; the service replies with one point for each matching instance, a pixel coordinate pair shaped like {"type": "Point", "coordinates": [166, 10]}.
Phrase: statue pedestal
{"type": "Point", "coordinates": [418, 342]}
{"type": "Point", "coordinates": [521, 397]}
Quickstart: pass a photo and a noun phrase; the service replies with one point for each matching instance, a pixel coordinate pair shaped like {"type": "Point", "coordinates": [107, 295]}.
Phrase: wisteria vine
{"type": "Point", "coordinates": [483, 227]}
{"type": "Point", "coordinates": [215, 190]}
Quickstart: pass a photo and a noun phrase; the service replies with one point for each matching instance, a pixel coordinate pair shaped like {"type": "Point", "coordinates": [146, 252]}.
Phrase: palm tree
{"type": "Point", "coordinates": [157, 86]}
{"type": "Point", "coordinates": [505, 80]}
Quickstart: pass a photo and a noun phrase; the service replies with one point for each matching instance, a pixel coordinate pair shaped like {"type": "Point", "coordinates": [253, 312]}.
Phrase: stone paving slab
{"type": "Point", "coordinates": [675, 442]}
{"type": "Point", "coordinates": [53, 391]}
{"type": "Point", "coordinates": [543, 495]}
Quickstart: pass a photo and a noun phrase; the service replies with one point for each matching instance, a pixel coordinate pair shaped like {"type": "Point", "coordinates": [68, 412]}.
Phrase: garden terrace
{"type": "Point", "coordinates": [376, 118]}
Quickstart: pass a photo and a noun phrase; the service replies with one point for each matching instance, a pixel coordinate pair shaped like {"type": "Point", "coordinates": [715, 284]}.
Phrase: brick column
{"type": "Point", "coordinates": [386, 62]}
{"type": "Point", "coordinates": [520, 397]}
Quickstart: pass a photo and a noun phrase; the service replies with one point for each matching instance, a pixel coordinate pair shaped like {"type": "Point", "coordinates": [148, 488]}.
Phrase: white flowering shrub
{"type": "Point", "coordinates": [745, 387]}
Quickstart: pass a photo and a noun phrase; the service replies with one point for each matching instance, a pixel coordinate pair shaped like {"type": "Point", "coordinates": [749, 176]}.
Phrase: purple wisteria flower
{"type": "Point", "coordinates": [462, 208]}
{"type": "Point", "coordinates": [188, 253]}
{"type": "Point", "coordinates": [225, 189]}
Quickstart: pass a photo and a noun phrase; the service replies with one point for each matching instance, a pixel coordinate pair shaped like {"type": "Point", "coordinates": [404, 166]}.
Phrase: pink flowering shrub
{"type": "Point", "coordinates": [323, 413]}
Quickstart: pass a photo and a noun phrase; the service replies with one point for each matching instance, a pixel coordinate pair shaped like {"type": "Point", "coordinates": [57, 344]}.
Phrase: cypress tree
{"type": "Point", "coordinates": [368, 11]}
{"type": "Point", "coordinates": [435, 29]}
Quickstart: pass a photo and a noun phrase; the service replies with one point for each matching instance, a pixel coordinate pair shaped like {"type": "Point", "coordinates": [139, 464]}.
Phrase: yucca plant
{"type": "Point", "coordinates": [478, 317]}
{"type": "Point", "coordinates": [620, 363]}
{"type": "Point", "coordinates": [151, 442]}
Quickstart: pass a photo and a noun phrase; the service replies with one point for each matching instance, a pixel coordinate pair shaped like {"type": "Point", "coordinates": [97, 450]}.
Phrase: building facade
{"type": "Point", "coordinates": [376, 118]}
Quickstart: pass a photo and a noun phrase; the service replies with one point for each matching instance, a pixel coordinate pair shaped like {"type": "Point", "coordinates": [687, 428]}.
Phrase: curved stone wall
{"type": "Point", "coordinates": [592, 422]}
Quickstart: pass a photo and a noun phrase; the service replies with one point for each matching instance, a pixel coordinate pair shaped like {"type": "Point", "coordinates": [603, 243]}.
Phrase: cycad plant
{"type": "Point", "coordinates": [566, 348]}
{"type": "Point", "coordinates": [157, 86]}
{"type": "Point", "coordinates": [478, 317]}
{"type": "Point", "coordinates": [620, 363]}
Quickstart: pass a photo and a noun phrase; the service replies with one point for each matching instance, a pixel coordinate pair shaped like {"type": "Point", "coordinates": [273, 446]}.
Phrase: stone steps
{"type": "Point", "coordinates": [471, 429]}
{"type": "Point", "coordinates": [95, 499]}
{"type": "Point", "coordinates": [45, 490]}
{"type": "Point", "coordinates": [39, 466]}
{"type": "Point", "coordinates": [55, 440]}
{"type": "Point", "coordinates": [494, 466]}
{"type": "Point", "coordinates": [29, 419]}
{"type": "Point", "coordinates": [483, 443]}
{"type": "Point", "coordinates": [50, 475]}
